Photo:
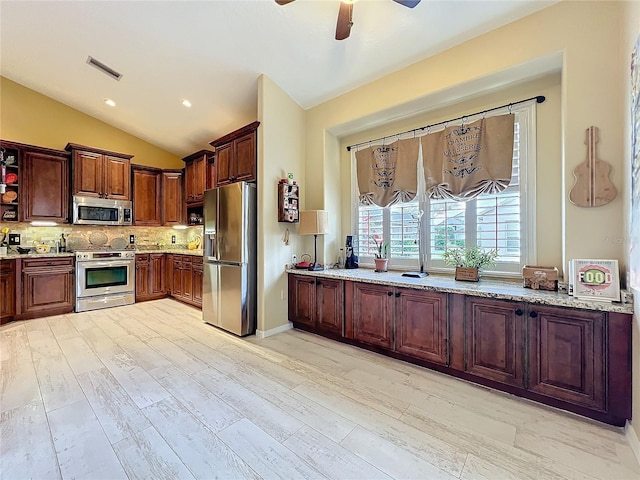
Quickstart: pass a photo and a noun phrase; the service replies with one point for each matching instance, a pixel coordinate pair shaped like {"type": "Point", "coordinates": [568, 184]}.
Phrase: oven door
{"type": "Point", "coordinates": [104, 277]}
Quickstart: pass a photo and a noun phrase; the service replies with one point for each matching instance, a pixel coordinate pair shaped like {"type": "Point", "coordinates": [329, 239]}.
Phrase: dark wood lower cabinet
{"type": "Point", "coordinates": [47, 286]}
{"type": "Point", "coordinates": [495, 340]}
{"type": "Point", "coordinates": [577, 360]}
{"type": "Point", "coordinates": [7, 290]}
{"type": "Point", "coordinates": [317, 304]}
{"type": "Point", "coordinates": [566, 355]}
{"type": "Point", "coordinates": [187, 279]}
{"type": "Point", "coordinates": [150, 276]}
{"type": "Point", "coordinates": [371, 317]}
{"type": "Point", "coordinates": [421, 325]}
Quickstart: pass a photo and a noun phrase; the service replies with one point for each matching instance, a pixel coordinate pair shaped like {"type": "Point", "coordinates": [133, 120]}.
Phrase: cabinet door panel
{"type": "Point", "coordinates": [46, 187]}
{"type": "Point", "coordinates": [200, 166]}
{"type": "Point", "coordinates": [302, 300]}
{"type": "Point", "coordinates": [245, 150]}
{"type": "Point", "coordinates": [177, 276]}
{"type": "Point", "coordinates": [421, 327]}
{"type": "Point", "coordinates": [157, 274]}
{"type": "Point", "coordinates": [373, 314]}
{"type": "Point", "coordinates": [329, 305]}
{"type": "Point", "coordinates": [87, 174]}
{"type": "Point", "coordinates": [7, 290]}
{"type": "Point", "coordinates": [46, 290]}
{"type": "Point", "coordinates": [187, 281]}
{"type": "Point", "coordinates": [495, 340]}
{"type": "Point", "coordinates": [172, 201]}
{"type": "Point", "coordinates": [224, 168]}
{"type": "Point", "coordinates": [197, 281]}
{"type": "Point", "coordinates": [117, 178]}
{"type": "Point", "coordinates": [146, 196]}
{"type": "Point", "coordinates": [566, 354]}
{"type": "Point", "coordinates": [142, 277]}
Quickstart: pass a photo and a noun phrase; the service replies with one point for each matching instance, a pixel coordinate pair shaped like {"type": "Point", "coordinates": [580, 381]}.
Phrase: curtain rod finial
{"type": "Point", "coordinates": [540, 98]}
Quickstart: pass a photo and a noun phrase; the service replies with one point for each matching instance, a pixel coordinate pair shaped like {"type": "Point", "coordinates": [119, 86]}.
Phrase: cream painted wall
{"type": "Point", "coordinates": [548, 195]}
{"type": "Point", "coordinates": [630, 32]}
{"type": "Point", "coordinates": [30, 117]}
{"type": "Point", "coordinates": [280, 150]}
{"type": "Point", "coordinates": [582, 35]}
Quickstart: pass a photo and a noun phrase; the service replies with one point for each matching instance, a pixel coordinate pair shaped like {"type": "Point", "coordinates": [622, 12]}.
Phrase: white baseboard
{"type": "Point", "coordinates": [633, 440]}
{"type": "Point", "coordinates": [273, 331]}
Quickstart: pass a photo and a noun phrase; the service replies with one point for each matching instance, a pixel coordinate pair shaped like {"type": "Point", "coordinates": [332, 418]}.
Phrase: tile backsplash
{"type": "Point", "coordinates": [144, 236]}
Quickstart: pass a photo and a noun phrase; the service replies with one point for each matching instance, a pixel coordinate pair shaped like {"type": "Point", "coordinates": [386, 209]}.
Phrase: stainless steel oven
{"type": "Point", "coordinates": [104, 279]}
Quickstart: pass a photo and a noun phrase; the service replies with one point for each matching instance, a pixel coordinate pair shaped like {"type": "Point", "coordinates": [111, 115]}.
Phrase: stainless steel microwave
{"type": "Point", "coordinates": [101, 211]}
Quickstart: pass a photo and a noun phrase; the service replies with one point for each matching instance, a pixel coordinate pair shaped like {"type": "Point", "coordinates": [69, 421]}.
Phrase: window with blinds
{"type": "Point", "coordinates": [489, 221]}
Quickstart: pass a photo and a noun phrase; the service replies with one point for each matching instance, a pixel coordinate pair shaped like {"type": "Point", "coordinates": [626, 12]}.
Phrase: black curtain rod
{"type": "Point", "coordinates": [538, 99]}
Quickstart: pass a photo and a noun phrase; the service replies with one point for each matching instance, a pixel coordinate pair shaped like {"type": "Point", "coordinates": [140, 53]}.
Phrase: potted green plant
{"type": "Point", "coordinates": [382, 248]}
{"type": "Point", "coordinates": [469, 261]}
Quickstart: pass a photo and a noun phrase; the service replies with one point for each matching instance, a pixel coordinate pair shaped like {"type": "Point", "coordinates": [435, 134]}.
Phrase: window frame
{"type": "Point", "coordinates": [526, 116]}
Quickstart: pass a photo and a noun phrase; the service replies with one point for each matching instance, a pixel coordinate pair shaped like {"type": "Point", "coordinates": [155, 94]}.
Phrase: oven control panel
{"type": "Point", "coordinates": [81, 256]}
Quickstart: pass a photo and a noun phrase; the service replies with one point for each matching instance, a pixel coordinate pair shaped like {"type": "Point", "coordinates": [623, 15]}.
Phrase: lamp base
{"type": "Point", "coordinates": [316, 267]}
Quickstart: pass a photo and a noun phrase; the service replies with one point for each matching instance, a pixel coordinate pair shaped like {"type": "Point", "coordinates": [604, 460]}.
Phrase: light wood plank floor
{"type": "Point", "coordinates": [149, 391]}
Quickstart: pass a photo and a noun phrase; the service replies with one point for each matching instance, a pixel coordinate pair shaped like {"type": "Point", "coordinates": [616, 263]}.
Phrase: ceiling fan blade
{"type": "Point", "coordinates": [343, 28]}
{"type": "Point", "coordinates": [284, 2]}
{"type": "Point", "coordinates": [408, 3]}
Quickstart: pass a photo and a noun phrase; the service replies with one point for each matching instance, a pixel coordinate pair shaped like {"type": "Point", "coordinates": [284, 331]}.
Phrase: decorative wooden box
{"type": "Point", "coordinates": [540, 278]}
{"type": "Point", "coordinates": [468, 274]}
{"type": "Point", "coordinates": [288, 203]}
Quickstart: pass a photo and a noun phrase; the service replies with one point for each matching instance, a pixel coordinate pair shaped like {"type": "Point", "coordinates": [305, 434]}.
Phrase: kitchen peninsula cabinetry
{"type": "Point", "coordinates": [317, 304]}
{"type": "Point", "coordinates": [150, 276]}
{"type": "Point", "coordinates": [495, 340]}
{"type": "Point", "coordinates": [47, 286]}
{"type": "Point", "coordinates": [100, 173]}
{"type": "Point", "coordinates": [147, 196]}
{"type": "Point", "coordinates": [571, 358]}
{"type": "Point", "coordinates": [7, 290]}
{"type": "Point", "coordinates": [236, 155]}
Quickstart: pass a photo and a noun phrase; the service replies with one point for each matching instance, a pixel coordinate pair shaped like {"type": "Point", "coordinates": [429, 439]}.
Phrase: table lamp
{"type": "Point", "coordinates": [314, 222]}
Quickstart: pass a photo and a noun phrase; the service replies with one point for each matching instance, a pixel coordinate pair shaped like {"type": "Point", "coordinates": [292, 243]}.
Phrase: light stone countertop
{"type": "Point", "coordinates": [180, 251]}
{"type": "Point", "coordinates": [503, 290]}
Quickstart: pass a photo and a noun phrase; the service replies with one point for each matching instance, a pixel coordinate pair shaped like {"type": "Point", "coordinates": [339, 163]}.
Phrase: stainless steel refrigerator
{"type": "Point", "coordinates": [230, 258]}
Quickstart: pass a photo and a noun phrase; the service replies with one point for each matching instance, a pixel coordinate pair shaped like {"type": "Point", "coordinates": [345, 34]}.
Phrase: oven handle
{"type": "Point", "coordinates": [107, 264]}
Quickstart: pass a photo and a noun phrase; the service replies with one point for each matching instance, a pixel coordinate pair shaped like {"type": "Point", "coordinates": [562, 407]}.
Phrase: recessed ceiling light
{"type": "Point", "coordinates": [109, 102]}
{"type": "Point", "coordinates": [186, 103]}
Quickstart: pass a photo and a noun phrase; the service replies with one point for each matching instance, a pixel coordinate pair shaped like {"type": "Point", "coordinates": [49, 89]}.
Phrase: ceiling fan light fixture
{"type": "Point", "coordinates": [110, 102]}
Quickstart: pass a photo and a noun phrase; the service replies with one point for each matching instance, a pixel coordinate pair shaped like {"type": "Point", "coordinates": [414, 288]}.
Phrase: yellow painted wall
{"type": "Point", "coordinates": [630, 32]}
{"type": "Point", "coordinates": [280, 150]}
{"type": "Point", "coordinates": [27, 116]}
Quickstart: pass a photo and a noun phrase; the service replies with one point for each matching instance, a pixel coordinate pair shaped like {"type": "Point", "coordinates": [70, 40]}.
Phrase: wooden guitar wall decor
{"type": "Point", "coordinates": [592, 187]}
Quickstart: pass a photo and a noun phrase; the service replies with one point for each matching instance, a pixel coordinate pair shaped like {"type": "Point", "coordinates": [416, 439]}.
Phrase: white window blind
{"type": "Point", "coordinates": [502, 221]}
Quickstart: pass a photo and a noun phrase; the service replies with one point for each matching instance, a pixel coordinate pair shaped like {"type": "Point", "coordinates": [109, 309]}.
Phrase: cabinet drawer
{"type": "Point", "coordinates": [38, 263]}
{"type": "Point", "coordinates": [7, 266]}
{"type": "Point", "coordinates": [186, 258]}
{"type": "Point", "coordinates": [142, 257]}
{"type": "Point", "coordinates": [196, 260]}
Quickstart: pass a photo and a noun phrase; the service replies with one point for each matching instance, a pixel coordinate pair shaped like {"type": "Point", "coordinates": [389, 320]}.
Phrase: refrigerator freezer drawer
{"type": "Point", "coordinates": [228, 298]}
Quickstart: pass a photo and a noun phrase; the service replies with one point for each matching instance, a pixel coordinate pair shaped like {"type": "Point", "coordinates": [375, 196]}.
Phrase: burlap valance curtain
{"type": "Point", "coordinates": [465, 161]}
{"type": "Point", "coordinates": [460, 163]}
{"type": "Point", "coordinates": [388, 174]}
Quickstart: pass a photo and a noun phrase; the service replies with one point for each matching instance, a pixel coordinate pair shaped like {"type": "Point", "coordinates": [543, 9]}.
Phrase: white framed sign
{"type": "Point", "coordinates": [596, 279]}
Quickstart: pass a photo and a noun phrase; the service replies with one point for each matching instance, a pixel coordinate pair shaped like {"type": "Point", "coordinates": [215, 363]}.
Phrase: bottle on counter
{"type": "Point", "coordinates": [63, 243]}
{"type": "Point", "coordinates": [341, 258]}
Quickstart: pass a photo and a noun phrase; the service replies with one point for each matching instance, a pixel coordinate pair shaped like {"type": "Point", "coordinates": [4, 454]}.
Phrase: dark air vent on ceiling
{"type": "Point", "coordinates": [103, 68]}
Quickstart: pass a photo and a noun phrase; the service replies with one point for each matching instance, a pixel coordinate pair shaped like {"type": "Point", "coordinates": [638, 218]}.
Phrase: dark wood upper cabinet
{"type": "Point", "coordinates": [566, 355]}
{"type": "Point", "coordinates": [147, 195]}
{"type": "Point", "coordinates": [172, 199]}
{"type": "Point", "coordinates": [100, 173]}
{"type": "Point", "coordinates": [421, 324]}
{"type": "Point", "coordinates": [495, 340]}
{"type": "Point", "coordinates": [212, 172]}
{"type": "Point", "coordinates": [45, 189]}
{"type": "Point", "coordinates": [236, 155]}
{"type": "Point", "coordinates": [195, 176]}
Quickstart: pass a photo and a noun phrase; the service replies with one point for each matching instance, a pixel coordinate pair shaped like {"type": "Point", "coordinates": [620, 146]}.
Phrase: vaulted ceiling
{"type": "Point", "coordinates": [212, 52]}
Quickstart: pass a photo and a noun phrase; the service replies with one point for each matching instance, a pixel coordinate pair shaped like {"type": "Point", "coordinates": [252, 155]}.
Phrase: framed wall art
{"type": "Point", "coordinates": [596, 279]}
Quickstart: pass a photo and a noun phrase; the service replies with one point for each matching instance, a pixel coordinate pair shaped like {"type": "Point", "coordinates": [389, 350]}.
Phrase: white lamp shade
{"type": "Point", "coordinates": [314, 222]}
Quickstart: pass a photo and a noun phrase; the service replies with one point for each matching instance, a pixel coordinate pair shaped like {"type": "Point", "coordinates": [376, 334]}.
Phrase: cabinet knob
{"type": "Point", "coordinates": [533, 314]}
{"type": "Point", "coordinates": [397, 294]}
{"type": "Point", "coordinates": [319, 282]}
{"type": "Point", "coordinates": [519, 312]}
{"type": "Point", "coordinates": [389, 294]}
